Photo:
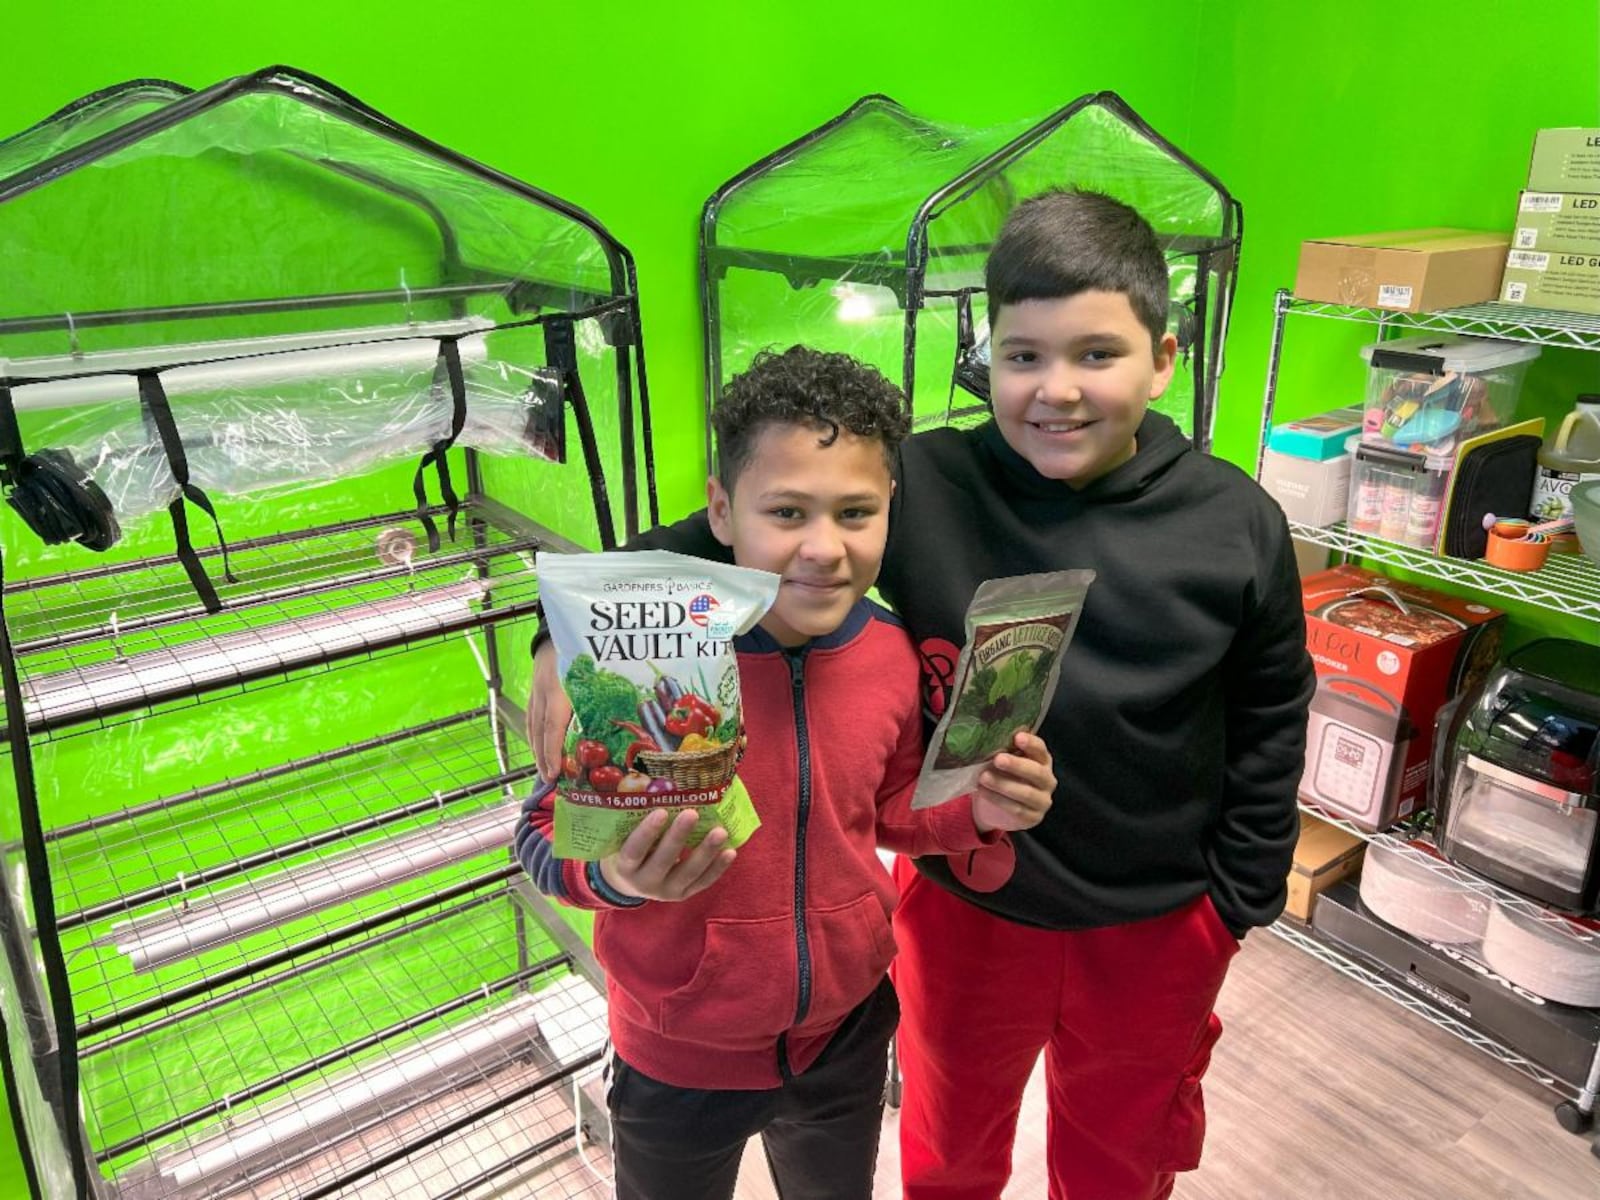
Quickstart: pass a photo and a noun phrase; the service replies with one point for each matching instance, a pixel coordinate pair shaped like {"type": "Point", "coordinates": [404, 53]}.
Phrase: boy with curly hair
{"type": "Point", "coordinates": [748, 989]}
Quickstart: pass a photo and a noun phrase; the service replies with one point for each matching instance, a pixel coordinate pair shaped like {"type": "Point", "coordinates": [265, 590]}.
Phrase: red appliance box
{"type": "Point", "coordinates": [1388, 656]}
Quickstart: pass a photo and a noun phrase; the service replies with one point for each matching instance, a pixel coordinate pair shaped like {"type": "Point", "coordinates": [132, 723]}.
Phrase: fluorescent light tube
{"type": "Point", "coordinates": [239, 363]}
{"type": "Point", "coordinates": [153, 674]}
{"type": "Point", "coordinates": [325, 1111]}
{"type": "Point", "coordinates": [861, 302]}
{"type": "Point", "coordinates": [238, 912]}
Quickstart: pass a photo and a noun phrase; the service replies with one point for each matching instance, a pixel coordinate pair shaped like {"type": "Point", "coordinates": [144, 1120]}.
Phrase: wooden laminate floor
{"type": "Point", "coordinates": [1322, 1090]}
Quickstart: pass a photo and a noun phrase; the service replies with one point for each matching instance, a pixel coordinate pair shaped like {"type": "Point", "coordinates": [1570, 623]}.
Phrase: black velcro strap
{"type": "Point", "coordinates": [438, 455]}
{"type": "Point", "coordinates": [55, 497]}
{"type": "Point", "coordinates": [60, 501]}
{"type": "Point", "coordinates": [965, 341]}
{"type": "Point", "coordinates": [11, 451]}
{"type": "Point", "coordinates": [154, 399]}
{"type": "Point", "coordinates": [971, 371]}
{"type": "Point", "coordinates": [561, 352]}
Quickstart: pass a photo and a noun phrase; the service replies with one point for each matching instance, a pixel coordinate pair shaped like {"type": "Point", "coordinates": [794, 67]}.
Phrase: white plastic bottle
{"type": "Point", "coordinates": [1567, 458]}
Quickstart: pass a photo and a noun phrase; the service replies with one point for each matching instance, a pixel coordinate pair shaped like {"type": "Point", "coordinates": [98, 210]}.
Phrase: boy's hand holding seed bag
{"type": "Point", "coordinates": [1018, 628]}
{"type": "Point", "coordinates": [652, 864]}
{"type": "Point", "coordinates": [1013, 793]}
{"type": "Point", "coordinates": [645, 646]}
{"type": "Point", "coordinates": [1015, 789]}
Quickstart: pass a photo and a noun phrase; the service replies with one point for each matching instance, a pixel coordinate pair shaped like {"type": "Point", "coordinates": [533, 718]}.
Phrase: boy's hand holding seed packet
{"type": "Point", "coordinates": [1017, 630]}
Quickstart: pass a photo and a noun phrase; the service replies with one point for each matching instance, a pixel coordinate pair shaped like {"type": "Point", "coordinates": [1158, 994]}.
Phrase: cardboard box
{"type": "Point", "coordinates": [1565, 160]}
{"type": "Point", "coordinates": [1554, 279]}
{"type": "Point", "coordinates": [1324, 855]}
{"type": "Point", "coordinates": [1388, 655]}
{"type": "Point", "coordinates": [1558, 221]}
{"type": "Point", "coordinates": [1310, 492]}
{"type": "Point", "coordinates": [1309, 558]}
{"type": "Point", "coordinates": [1453, 980]}
{"type": "Point", "coordinates": [1415, 270]}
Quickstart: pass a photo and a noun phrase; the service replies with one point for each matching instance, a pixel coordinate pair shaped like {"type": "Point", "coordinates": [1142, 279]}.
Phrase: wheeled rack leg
{"type": "Point", "coordinates": [1577, 1116]}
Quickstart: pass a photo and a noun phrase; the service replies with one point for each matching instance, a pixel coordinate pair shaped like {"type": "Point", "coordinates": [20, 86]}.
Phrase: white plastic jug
{"type": "Point", "coordinates": [1570, 456]}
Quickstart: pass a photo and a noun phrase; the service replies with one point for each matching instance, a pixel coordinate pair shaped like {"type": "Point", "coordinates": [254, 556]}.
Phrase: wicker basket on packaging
{"type": "Point", "coordinates": [693, 768]}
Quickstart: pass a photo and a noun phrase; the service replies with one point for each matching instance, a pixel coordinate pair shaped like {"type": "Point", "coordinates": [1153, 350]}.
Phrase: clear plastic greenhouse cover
{"type": "Point", "coordinates": [267, 306]}
{"type": "Point", "coordinates": [869, 234]}
{"type": "Point", "coordinates": [297, 274]}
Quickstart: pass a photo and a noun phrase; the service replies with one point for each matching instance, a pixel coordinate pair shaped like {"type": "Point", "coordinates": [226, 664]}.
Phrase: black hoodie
{"type": "Point", "coordinates": [1178, 729]}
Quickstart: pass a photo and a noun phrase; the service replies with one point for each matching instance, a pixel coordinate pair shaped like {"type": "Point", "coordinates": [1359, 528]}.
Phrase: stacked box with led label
{"type": "Point", "coordinates": [1554, 261]}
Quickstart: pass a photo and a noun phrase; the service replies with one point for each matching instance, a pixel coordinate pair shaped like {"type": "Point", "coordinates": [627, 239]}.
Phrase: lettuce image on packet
{"type": "Point", "coordinates": [644, 643]}
{"type": "Point", "coordinates": [1018, 628]}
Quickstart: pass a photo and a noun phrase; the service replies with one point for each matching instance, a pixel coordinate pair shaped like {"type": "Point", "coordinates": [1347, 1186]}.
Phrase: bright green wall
{"type": "Point", "coordinates": [636, 112]}
{"type": "Point", "coordinates": [1322, 118]}
{"type": "Point", "coordinates": [1426, 119]}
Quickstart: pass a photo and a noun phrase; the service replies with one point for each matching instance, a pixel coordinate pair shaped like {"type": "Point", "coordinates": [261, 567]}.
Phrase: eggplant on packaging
{"type": "Point", "coordinates": [1388, 655]}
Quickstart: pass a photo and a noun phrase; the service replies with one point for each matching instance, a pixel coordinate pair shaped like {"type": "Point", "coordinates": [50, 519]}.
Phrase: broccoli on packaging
{"type": "Point", "coordinates": [1017, 630]}
{"type": "Point", "coordinates": [644, 642]}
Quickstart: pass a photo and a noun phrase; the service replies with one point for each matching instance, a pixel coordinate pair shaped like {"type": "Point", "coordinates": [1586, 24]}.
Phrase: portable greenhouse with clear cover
{"type": "Point", "coordinates": [868, 235]}
{"type": "Point", "coordinates": [289, 397]}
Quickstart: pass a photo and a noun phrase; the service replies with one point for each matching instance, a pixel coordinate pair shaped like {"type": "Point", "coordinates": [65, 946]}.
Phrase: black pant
{"type": "Point", "coordinates": [820, 1129]}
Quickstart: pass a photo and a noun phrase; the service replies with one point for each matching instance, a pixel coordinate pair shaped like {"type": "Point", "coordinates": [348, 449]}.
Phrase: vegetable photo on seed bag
{"type": "Point", "coordinates": [644, 643]}
{"type": "Point", "coordinates": [1017, 628]}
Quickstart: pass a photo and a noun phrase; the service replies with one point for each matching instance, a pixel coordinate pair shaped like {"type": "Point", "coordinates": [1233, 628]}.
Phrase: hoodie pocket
{"type": "Point", "coordinates": [1186, 1121]}
{"type": "Point", "coordinates": [851, 947]}
{"type": "Point", "coordinates": [743, 987]}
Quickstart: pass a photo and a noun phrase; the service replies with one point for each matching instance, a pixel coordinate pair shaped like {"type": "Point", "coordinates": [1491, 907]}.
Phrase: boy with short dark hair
{"type": "Point", "coordinates": [747, 989]}
{"type": "Point", "coordinates": [1178, 730]}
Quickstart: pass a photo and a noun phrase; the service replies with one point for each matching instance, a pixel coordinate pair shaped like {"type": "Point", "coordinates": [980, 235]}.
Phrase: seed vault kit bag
{"type": "Point", "coordinates": [644, 641]}
{"type": "Point", "coordinates": [1017, 630]}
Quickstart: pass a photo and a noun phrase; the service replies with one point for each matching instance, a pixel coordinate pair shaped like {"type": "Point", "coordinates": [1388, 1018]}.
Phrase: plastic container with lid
{"type": "Point", "coordinates": [1570, 456]}
{"type": "Point", "coordinates": [1396, 495]}
{"type": "Point", "coordinates": [1427, 393]}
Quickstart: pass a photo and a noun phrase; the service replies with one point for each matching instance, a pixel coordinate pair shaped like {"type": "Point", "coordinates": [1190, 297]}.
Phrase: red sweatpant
{"type": "Point", "coordinates": [1124, 1015]}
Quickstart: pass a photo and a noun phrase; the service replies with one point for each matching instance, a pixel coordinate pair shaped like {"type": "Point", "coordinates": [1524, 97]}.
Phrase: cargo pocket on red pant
{"type": "Point", "coordinates": [1186, 1121]}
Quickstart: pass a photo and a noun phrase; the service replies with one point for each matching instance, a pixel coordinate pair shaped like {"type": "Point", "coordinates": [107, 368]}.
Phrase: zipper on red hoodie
{"type": "Point", "coordinates": [796, 659]}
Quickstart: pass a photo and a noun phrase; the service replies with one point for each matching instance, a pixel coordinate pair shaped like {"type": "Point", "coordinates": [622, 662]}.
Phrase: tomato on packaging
{"type": "Point", "coordinates": [605, 778]}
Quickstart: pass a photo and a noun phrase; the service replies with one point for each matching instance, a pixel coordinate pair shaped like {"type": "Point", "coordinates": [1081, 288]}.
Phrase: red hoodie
{"type": "Point", "coordinates": [742, 985]}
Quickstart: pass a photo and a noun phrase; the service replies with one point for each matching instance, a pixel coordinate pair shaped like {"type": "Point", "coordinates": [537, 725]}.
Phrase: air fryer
{"type": "Point", "coordinates": [1355, 747]}
{"type": "Point", "coordinates": [1523, 802]}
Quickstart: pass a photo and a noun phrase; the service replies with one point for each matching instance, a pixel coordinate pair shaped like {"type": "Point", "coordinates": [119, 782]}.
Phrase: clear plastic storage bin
{"type": "Point", "coordinates": [1428, 393]}
{"type": "Point", "coordinates": [1397, 495]}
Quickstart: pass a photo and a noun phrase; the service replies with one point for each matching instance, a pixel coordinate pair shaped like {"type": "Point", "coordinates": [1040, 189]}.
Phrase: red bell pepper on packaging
{"type": "Point", "coordinates": [685, 719]}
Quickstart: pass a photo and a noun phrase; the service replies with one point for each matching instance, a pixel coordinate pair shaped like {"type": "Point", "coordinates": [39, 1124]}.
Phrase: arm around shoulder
{"type": "Point", "coordinates": [692, 535]}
